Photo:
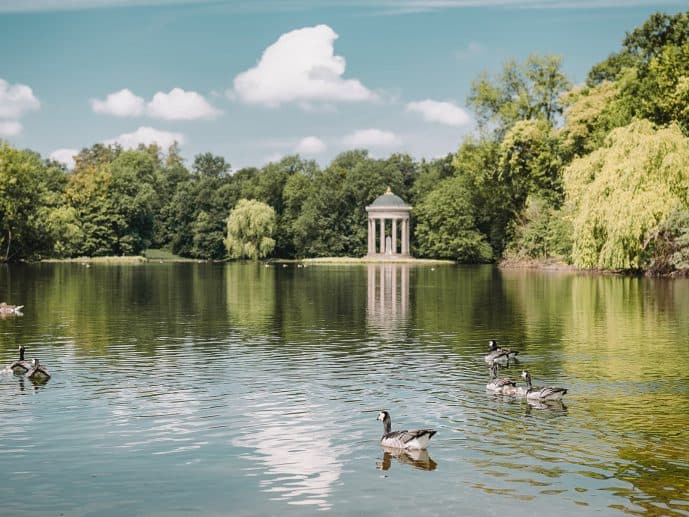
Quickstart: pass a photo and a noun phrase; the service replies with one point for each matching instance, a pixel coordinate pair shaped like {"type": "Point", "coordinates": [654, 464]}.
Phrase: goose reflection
{"type": "Point", "coordinates": [553, 406]}
{"type": "Point", "coordinates": [417, 458]}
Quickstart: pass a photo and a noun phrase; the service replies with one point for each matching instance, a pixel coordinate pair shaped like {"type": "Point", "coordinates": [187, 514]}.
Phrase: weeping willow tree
{"type": "Point", "coordinates": [622, 193]}
{"type": "Point", "coordinates": [250, 229]}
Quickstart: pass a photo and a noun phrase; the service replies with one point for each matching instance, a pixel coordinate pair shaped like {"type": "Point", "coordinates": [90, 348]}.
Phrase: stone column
{"type": "Point", "coordinates": [373, 236]}
{"type": "Point", "coordinates": [370, 251]}
{"type": "Point", "coordinates": [394, 236]}
{"type": "Point", "coordinates": [406, 236]}
{"type": "Point", "coordinates": [382, 235]}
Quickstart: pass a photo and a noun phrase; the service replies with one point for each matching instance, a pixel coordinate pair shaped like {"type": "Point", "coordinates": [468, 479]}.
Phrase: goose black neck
{"type": "Point", "coordinates": [21, 354]}
{"type": "Point", "coordinates": [387, 424]}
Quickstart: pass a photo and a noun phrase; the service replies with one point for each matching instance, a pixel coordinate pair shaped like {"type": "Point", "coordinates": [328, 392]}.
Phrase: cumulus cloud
{"type": "Point", "coordinates": [10, 128]}
{"type": "Point", "coordinates": [120, 104]}
{"type": "Point", "coordinates": [371, 138]}
{"type": "Point", "coordinates": [147, 136]}
{"type": "Point", "coordinates": [175, 105]}
{"type": "Point", "coordinates": [301, 66]}
{"type": "Point", "coordinates": [446, 113]}
{"type": "Point", "coordinates": [15, 99]}
{"type": "Point", "coordinates": [310, 145]}
{"type": "Point", "coordinates": [180, 105]}
{"type": "Point", "coordinates": [65, 156]}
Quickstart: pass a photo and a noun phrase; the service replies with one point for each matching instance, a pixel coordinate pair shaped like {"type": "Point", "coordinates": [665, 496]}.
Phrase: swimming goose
{"type": "Point", "coordinates": [20, 366]}
{"type": "Point", "coordinates": [412, 439]}
{"type": "Point", "coordinates": [10, 309]}
{"type": "Point", "coordinates": [498, 354]}
{"type": "Point", "coordinates": [540, 393]}
{"type": "Point", "coordinates": [38, 373]}
{"type": "Point", "coordinates": [504, 386]}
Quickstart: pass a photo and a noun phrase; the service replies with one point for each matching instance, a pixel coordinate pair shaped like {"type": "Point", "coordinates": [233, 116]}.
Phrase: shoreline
{"type": "Point", "coordinates": [371, 260]}
{"type": "Point", "coordinates": [554, 265]}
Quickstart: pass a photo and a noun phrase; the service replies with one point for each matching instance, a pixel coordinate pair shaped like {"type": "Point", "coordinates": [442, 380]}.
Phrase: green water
{"type": "Point", "coordinates": [183, 389]}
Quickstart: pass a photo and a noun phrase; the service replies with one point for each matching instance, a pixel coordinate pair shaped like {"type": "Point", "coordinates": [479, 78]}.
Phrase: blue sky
{"type": "Point", "coordinates": [256, 80]}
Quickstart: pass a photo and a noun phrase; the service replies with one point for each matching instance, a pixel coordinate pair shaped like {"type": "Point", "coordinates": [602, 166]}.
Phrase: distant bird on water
{"type": "Point", "coordinates": [10, 309]}
{"type": "Point", "coordinates": [38, 373]}
{"type": "Point", "coordinates": [21, 366]}
{"type": "Point", "coordinates": [504, 386]}
{"type": "Point", "coordinates": [412, 439]}
{"type": "Point", "coordinates": [540, 393]}
{"type": "Point", "coordinates": [498, 354]}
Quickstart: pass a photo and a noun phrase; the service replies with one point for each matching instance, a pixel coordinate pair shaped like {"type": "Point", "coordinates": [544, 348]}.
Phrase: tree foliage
{"type": "Point", "coordinates": [522, 91]}
{"type": "Point", "coordinates": [446, 224]}
{"type": "Point", "coordinates": [250, 229]}
{"type": "Point", "coordinates": [620, 194]}
{"type": "Point", "coordinates": [25, 201]}
{"type": "Point", "coordinates": [643, 44]}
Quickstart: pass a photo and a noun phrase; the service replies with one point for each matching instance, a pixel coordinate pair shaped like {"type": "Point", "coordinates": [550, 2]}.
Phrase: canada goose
{"type": "Point", "coordinates": [504, 386]}
{"type": "Point", "coordinates": [37, 372]}
{"type": "Point", "coordinates": [540, 393]}
{"type": "Point", "coordinates": [412, 439]}
{"type": "Point", "coordinates": [10, 309]}
{"type": "Point", "coordinates": [498, 354]}
{"type": "Point", "coordinates": [20, 366]}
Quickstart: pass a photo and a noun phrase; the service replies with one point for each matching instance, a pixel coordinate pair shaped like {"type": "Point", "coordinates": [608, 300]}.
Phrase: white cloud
{"type": "Point", "coordinates": [15, 99]}
{"type": "Point", "coordinates": [371, 138]}
{"type": "Point", "coordinates": [10, 128]}
{"type": "Point", "coordinates": [180, 105]}
{"type": "Point", "coordinates": [65, 156]}
{"type": "Point", "coordinates": [310, 145]}
{"type": "Point", "coordinates": [300, 67]}
{"type": "Point", "coordinates": [147, 136]}
{"type": "Point", "coordinates": [447, 113]}
{"type": "Point", "coordinates": [120, 104]}
{"type": "Point", "coordinates": [175, 105]}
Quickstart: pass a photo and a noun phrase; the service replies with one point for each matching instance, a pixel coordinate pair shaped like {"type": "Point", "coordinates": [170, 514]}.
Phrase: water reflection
{"type": "Point", "coordinates": [387, 297]}
{"type": "Point", "coordinates": [418, 459]}
{"type": "Point", "coordinates": [239, 389]}
{"type": "Point", "coordinates": [299, 462]}
{"type": "Point", "coordinates": [555, 406]}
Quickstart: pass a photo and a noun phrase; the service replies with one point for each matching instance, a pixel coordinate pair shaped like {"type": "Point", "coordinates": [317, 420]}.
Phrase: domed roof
{"type": "Point", "coordinates": [388, 200]}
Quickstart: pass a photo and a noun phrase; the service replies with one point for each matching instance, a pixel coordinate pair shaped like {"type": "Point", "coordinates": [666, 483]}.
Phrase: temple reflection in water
{"type": "Point", "coordinates": [388, 295]}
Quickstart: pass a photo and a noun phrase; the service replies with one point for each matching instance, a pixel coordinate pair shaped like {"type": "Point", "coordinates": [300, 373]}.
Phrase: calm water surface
{"type": "Point", "coordinates": [183, 389]}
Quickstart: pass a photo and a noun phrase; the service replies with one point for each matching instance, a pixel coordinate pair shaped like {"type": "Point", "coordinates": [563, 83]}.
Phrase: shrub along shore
{"type": "Point", "coordinates": [593, 176]}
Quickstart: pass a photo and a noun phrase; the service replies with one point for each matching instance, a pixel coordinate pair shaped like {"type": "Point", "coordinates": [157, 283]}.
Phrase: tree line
{"type": "Point", "coordinates": [596, 175]}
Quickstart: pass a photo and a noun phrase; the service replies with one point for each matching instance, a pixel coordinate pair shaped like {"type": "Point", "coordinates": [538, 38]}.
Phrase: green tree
{"type": "Point", "coordinates": [621, 193]}
{"type": "Point", "coordinates": [522, 91]}
{"type": "Point", "coordinates": [24, 202]}
{"type": "Point", "coordinates": [446, 224]}
{"type": "Point", "coordinates": [641, 45]}
{"type": "Point", "coordinates": [591, 112]}
{"type": "Point", "coordinates": [541, 232]}
{"type": "Point", "coordinates": [250, 229]}
{"type": "Point", "coordinates": [664, 92]}
{"type": "Point", "coordinates": [196, 214]}
{"type": "Point", "coordinates": [530, 164]}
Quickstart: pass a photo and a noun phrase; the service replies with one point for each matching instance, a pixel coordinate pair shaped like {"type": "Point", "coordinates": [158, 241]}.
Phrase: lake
{"type": "Point", "coordinates": [218, 389]}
